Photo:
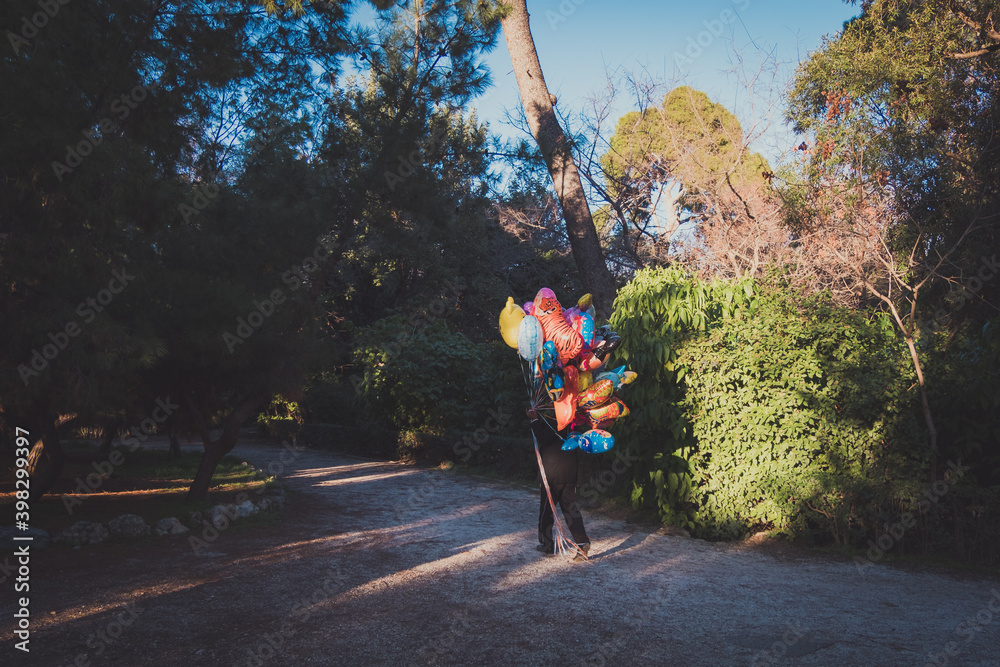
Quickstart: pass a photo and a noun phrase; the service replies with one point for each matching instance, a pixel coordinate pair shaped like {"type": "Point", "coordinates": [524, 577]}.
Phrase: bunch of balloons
{"type": "Point", "coordinates": [565, 356]}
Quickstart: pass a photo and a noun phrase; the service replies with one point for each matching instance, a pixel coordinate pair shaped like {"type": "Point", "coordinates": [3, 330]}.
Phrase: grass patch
{"type": "Point", "coordinates": [146, 482]}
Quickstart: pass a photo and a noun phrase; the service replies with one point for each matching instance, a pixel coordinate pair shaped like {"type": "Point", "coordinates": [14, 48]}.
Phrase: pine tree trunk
{"type": "Point", "coordinates": [552, 142]}
{"type": "Point", "coordinates": [216, 449]}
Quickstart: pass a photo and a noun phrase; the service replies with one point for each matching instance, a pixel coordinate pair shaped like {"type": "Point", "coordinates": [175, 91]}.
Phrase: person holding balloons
{"type": "Point", "coordinates": [572, 397]}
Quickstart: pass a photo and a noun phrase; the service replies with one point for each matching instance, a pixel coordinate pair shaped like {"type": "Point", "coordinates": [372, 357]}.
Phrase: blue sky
{"type": "Point", "coordinates": [681, 42]}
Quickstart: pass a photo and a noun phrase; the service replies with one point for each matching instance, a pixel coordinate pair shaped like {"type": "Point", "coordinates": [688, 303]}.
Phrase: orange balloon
{"type": "Point", "coordinates": [549, 313]}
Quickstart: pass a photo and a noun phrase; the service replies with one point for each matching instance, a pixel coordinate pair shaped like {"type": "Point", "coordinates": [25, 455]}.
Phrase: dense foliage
{"type": "Point", "coordinates": [230, 215]}
{"type": "Point", "coordinates": [653, 314]}
{"type": "Point", "coordinates": [758, 408]}
{"type": "Point", "coordinates": [422, 377]}
{"type": "Point", "coordinates": [801, 419]}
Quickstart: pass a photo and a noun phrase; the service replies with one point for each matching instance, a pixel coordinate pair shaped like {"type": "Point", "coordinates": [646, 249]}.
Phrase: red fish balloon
{"type": "Point", "coordinates": [596, 394]}
{"type": "Point", "coordinates": [605, 414]}
{"type": "Point", "coordinates": [566, 405]}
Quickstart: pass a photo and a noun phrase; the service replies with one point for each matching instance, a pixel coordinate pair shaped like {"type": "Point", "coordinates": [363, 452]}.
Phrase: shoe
{"type": "Point", "coordinates": [583, 547]}
{"type": "Point", "coordinates": [548, 551]}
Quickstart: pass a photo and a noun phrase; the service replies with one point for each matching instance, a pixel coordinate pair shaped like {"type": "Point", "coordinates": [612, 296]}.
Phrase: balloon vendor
{"type": "Point", "coordinates": [572, 402]}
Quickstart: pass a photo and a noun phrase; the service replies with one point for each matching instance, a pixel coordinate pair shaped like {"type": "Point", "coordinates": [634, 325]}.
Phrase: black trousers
{"type": "Point", "coordinates": [563, 495]}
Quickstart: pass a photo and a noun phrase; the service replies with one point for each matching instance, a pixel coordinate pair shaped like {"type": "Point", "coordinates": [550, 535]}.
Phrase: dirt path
{"type": "Point", "coordinates": [382, 563]}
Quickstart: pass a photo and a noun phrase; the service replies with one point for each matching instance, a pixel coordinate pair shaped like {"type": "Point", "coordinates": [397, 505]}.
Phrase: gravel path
{"type": "Point", "coordinates": [383, 564]}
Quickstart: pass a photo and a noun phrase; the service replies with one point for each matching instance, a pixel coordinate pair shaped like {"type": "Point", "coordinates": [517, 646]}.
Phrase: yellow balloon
{"type": "Point", "coordinates": [510, 319]}
{"type": "Point", "coordinates": [586, 379]}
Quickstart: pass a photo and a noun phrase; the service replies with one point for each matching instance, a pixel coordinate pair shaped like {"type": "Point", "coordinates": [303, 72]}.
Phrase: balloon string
{"type": "Point", "coordinates": [561, 545]}
{"type": "Point", "coordinates": [536, 397]}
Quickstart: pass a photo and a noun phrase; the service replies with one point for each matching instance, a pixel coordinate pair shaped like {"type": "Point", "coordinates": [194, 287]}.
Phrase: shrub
{"type": "Point", "coordinates": [654, 314]}
{"type": "Point", "coordinates": [430, 379]}
{"type": "Point", "coordinates": [329, 398]}
{"type": "Point", "coordinates": [802, 420]}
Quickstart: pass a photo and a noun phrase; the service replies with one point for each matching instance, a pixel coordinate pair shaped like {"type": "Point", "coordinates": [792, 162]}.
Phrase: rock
{"type": "Point", "coordinates": [246, 508]}
{"type": "Point", "coordinates": [128, 525]}
{"type": "Point", "coordinates": [221, 515]}
{"type": "Point", "coordinates": [40, 538]}
{"type": "Point", "coordinates": [170, 526]}
{"type": "Point", "coordinates": [84, 532]}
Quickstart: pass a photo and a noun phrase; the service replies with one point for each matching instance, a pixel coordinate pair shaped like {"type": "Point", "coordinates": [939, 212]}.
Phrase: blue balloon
{"type": "Point", "coordinates": [549, 355]}
{"type": "Point", "coordinates": [587, 328]}
{"type": "Point", "coordinates": [597, 441]}
{"type": "Point", "coordinates": [614, 375]}
{"type": "Point", "coordinates": [529, 338]}
{"type": "Point", "coordinates": [573, 440]}
{"type": "Point", "coordinates": [554, 383]}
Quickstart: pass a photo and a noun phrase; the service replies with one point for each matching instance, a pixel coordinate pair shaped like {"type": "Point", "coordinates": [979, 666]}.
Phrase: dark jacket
{"type": "Point", "coordinates": [560, 466]}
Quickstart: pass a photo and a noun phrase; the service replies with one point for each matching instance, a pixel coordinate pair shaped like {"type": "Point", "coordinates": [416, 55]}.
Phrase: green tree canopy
{"type": "Point", "coordinates": [690, 155]}
{"type": "Point", "coordinates": [690, 138]}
